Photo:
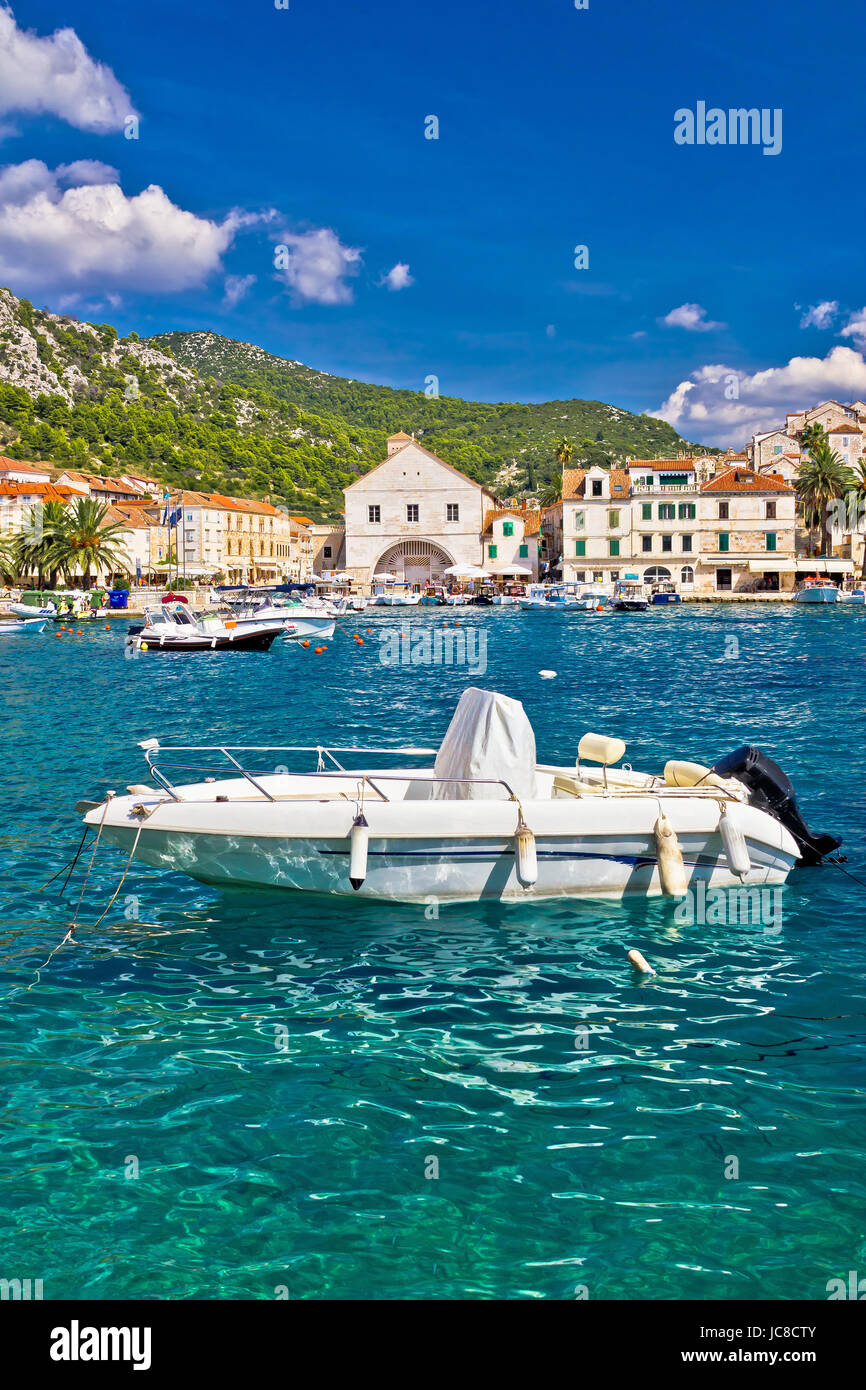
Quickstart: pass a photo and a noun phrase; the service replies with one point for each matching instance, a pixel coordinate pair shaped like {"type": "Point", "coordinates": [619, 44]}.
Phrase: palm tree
{"type": "Point", "coordinates": [34, 545]}
{"type": "Point", "coordinates": [564, 452]}
{"type": "Point", "coordinates": [811, 435]}
{"type": "Point", "coordinates": [859, 477]}
{"type": "Point", "coordinates": [820, 481]}
{"type": "Point", "coordinates": [552, 494]}
{"type": "Point", "coordinates": [87, 538]}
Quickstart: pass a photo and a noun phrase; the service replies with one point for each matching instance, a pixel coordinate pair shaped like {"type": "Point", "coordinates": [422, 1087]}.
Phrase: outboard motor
{"type": "Point", "coordinates": [773, 792]}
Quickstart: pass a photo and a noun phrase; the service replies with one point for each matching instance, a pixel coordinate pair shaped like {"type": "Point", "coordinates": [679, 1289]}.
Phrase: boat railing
{"type": "Point", "coordinates": [152, 749]}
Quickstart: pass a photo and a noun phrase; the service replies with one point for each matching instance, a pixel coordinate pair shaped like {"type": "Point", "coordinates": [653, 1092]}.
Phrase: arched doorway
{"type": "Point", "coordinates": [415, 562]}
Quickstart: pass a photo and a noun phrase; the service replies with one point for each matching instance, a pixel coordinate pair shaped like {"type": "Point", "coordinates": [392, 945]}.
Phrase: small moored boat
{"type": "Point", "coordinates": [173, 628]}
{"type": "Point", "coordinates": [484, 820]}
{"type": "Point", "coordinates": [629, 596]}
{"type": "Point", "coordinates": [817, 590]}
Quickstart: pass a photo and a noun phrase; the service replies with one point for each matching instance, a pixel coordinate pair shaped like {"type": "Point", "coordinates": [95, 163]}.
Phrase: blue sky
{"type": "Point", "coordinates": [305, 128]}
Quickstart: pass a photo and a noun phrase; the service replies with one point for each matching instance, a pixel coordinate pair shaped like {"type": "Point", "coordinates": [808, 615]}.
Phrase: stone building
{"type": "Point", "coordinates": [413, 516]}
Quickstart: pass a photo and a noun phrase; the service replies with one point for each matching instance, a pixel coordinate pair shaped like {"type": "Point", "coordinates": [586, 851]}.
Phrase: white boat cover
{"type": "Point", "coordinates": [490, 737]}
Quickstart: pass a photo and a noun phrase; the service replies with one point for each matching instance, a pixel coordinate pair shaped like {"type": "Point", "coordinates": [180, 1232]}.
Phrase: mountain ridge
{"type": "Point", "coordinates": [206, 412]}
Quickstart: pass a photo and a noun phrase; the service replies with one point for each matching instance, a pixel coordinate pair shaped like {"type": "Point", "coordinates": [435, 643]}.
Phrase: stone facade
{"type": "Point", "coordinates": [414, 516]}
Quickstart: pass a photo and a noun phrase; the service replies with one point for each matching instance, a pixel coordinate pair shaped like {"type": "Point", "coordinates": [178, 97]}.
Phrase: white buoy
{"type": "Point", "coordinates": [640, 962]}
{"type": "Point", "coordinates": [547, 675]}
{"type": "Point", "coordinates": [527, 857]}
{"type": "Point", "coordinates": [359, 839]}
{"type": "Point", "coordinates": [672, 870]}
{"type": "Point", "coordinates": [734, 841]}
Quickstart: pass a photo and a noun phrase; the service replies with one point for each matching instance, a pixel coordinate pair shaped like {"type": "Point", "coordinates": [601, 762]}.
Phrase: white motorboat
{"type": "Point", "coordinates": [395, 595]}
{"type": "Point", "coordinates": [15, 626]}
{"type": "Point", "coordinates": [854, 595]}
{"type": "Point", "coordinates": [297, 620]}
{"type": "Point", "coordinates": [817, 590]}
{"type": "Point", "coordinates": [171, 627]}
{"type": "Point", "coordinates": [484, 820]}
{"type": "Point", "coordinates": [27, 610]}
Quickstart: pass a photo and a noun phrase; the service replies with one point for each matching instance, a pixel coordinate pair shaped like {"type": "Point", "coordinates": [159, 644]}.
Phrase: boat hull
{"type": "Point", "coordinates": [817, 596]}
{"type": "Point", "coordinates": [242, 642]}
{"type": "Point", "coordinates": [421, 851]}
{"type": "Point", "coordinates": [21, 625]}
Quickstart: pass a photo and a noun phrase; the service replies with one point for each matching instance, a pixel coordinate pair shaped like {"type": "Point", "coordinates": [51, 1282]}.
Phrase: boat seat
{"type": "Point", "coordinates": [599, 748]}
{"type": "Point", "coordinates": [574, 786]}
{"type": "Point", "coordinates": [684, 774]}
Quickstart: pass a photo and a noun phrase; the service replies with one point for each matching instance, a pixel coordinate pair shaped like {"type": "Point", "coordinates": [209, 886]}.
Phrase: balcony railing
{"type": "Point", "coordinates": [644, 488]}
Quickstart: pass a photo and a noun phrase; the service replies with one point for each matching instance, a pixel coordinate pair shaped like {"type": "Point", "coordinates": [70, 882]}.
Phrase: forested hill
{"type": "Point", "coordinates": [200, 411]}
{"type": "Point", "coordinates": [514, 443]}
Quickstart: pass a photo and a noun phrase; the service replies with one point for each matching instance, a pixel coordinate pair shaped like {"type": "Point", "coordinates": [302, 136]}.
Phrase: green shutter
{"type": "Point", "coordinates": [508, 528]}
{"type": "Point", "coordinates": [646, 511]}
{"type": "Point", "coordinates": [614, 547]}
{"type": "Point", "coordinates": [491, 552]}
{"type": "Point", "coordinates": [771, 540]}
{"type": "Point", "coordinates": [524, 551]}
{"type": "Point", "coordinates": [724, 540]}
{"type": "Point", "coordinates": [580, 547]}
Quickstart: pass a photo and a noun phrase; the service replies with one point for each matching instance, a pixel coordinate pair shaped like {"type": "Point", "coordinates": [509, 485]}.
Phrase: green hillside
{"type": "Point", "coordinates": [200, 411]}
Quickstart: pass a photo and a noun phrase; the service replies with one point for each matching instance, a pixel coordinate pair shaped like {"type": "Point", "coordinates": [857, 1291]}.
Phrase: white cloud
{"type": "Point", "coordinates": [692, 317]}
{"type": "Point", "coordinates": [87, 171]}
{"type": "Point", "coordinates": [819, 315]}
{"type": "Point", "coordinates": [398, 278]}
{"type": "Point", "coordinates": [856, 328]}
{"type": "Point", "coordinates": [92, 236]}
{"type": "Point", "coordinates": [236, 287]}
{"type": "Point", "coordinates": [56, 76]}
{"type": "Point", "coordinates": [315, 265]}
{"type": "Point", "coordinates": [704, 407]}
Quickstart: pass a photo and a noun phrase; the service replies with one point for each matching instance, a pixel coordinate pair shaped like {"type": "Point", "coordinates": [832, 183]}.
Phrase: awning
{"type": "Point", "coordinates": [768, 566]}
{"type": "Point", "coordinates": [826, 565]}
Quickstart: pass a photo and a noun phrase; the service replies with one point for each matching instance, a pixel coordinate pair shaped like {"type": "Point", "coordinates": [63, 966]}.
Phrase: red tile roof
{"type": "Point", "coordinates": [746, 480]}
{"type": "Point", "coordinates": [573, 484]}
{"type": "Point", "coordinates": [531, 519]}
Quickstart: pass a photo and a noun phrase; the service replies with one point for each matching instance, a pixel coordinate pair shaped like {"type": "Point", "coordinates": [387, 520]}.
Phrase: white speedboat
{"type": "Point", "coordinates": [15, 626]}
{"type": "Point", "coordinates": [297, 620]}
{"type": "Point", "coordinates": [549, 598]}
{"type": "Point", "coordinates": [484, 820]}
{"type": "Point", "coordinates": [27, 610]}
{"type": "Point", "coordinates": [392, 595]}
{"type": "Point", "coordinates": [854, 595]}
{"type": "Point", "coordinates": [171, 627]}
{"type": "Point", "coordinates": [817, 591]}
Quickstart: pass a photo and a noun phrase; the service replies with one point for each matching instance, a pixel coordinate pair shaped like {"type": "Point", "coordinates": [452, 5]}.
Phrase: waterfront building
{"type": "Point", "coordinates": [747, 533]}
{"type": "Point", "coordinates": [511, 541]}
{"type": "Point", "coordinates": [596, 524]}
{"type": "Point", "coordinates": [413, 516]}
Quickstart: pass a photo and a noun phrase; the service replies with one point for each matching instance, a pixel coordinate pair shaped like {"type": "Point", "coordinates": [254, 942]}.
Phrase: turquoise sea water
{"type": "Point", "coordinates": [281, 1071]}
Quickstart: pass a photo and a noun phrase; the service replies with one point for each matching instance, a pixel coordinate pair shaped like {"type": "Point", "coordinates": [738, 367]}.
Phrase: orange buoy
{"type": "Point", "coordinates": [360, 641]}
{"type": "Point", "coordinates": [305, 644]}
{"type": "Point", "coordinates": [319, 650]}
{"type": "Point", "coordinates": [355, 635]}
{"type": "Point", "coordinates": [369, 629]}
{"type": "Point", "coordinates": [59, 634]}
{"type": "Point", "coordinates": [80, 633]}
{"type": "Point", "coordinates": [108, 627]}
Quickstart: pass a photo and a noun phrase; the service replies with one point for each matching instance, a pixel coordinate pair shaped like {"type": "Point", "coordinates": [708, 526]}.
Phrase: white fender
{"type": "Point", "coordinates": [734, 841]}
{"type": "Point", "coordinates": [526, 854]}
{"type": "Point", "coordinates": [359, 839]}
{"type": "Point", "coordinates": [672, 870]}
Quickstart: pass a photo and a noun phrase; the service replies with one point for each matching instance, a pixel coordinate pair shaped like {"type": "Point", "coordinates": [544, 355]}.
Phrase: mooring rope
{"type": "Point", "coordinates": [70, 866]}
{"type": "Point", "coordinates": [113, 898]}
